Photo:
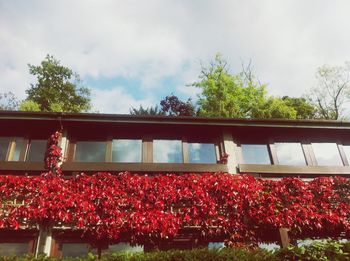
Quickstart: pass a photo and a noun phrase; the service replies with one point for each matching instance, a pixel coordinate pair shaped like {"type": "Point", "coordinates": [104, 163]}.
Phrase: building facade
{"type": "Point", "coordinates": [268, 149]}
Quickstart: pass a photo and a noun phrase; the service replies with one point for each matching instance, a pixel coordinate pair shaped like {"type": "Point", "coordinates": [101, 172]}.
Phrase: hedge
{"type": "Point", "coordinates": [329, 250]}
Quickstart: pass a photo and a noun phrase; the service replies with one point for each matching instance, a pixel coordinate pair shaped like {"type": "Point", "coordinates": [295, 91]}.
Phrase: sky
{"type": "Point", "coordinates": [137, 52]}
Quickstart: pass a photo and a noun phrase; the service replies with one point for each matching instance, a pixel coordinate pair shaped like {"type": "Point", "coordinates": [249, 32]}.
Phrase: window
{"type": "Point", "coordinates": [125, 150]}
{"type": "Point", "coordinates": [11, 148]}
{"type": "Point", "coordinates": [37, 149]}
{"type": "Point", "coordinates": [75, 249]}
{"type": "Point", "coordinates": [255, 154]}
{"type": "Point", "coordinates": [290, 153]}
{"type": "Point", "coordinates": [167, 151]}
{"type": "Point", "coordinates": [124, 247]}
{"type": "Point", "coordinates": [90, 151]}
{"type": "Point", "coordinates": [327, 154]}
{"type": "Point", "coordinates": [12, 249]}
{"type": "Point", "coordinates": [201, 153]}
{"type": "Point", "coordinates": [4, 145]}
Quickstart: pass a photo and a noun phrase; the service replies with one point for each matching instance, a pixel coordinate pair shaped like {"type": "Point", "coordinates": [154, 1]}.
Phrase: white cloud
{"type": "Point", "coordinates": [116, 100]}
{"type": "Point", "coordinates": [149, 40]}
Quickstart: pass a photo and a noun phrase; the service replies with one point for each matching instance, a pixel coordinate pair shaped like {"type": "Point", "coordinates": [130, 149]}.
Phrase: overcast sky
{"type": "Point", "coordinates": [137, 52]}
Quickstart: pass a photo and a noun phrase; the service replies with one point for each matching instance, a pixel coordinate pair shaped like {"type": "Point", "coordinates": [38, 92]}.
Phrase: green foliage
{"type": "Point", "coordinates": [318, 250]}
{"type": "Point", "coordinates": [304, 109]}
{"type": "Point", "coordinates": [146, 111]}
{"type": "Point", "coordinates": [29, 105]}
{"type": "Point", "coordinates": [273, 107]}
{"type": "Point", "coordinates": [240, 96]}
{"type": "Point", "coordinates": [58, 88]}
{"type": "Point", "coordinates": [200, 254]}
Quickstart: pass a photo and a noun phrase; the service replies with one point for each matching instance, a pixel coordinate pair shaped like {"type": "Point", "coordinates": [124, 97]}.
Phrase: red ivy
{"type": "Point", "coordinates": [139, 207]}
{"type": "Point", "coordinates": [239, 207]}
{"type": "Point", "coordinates": [53, 155]}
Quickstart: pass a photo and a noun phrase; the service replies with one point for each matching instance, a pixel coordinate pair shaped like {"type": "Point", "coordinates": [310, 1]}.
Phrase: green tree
{"type": "Point", "coordinates": [332, 91]}
{"type": "Point", "coordinates": [29, 105]}
{"type": "Point", "coordinates": [8, 101]}
{"type": "Point", "coordinates": [273, 107]}
{"type": "Point", "coordinates": [58, 88]}
{"type": "Point", "coordinates": [146, 111]}
{"type": "Point", "coordinates": [236, 96]}
{"type": "Point", "coordinates": [304, 109]}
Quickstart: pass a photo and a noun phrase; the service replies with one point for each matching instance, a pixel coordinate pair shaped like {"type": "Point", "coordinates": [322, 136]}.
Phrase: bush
{"type": "Point", "coordinates": [329, 250]}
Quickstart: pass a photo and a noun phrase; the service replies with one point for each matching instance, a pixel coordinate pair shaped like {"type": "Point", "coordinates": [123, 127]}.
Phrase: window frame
{"type": "Point", "coordinates": [311, 168]}
{"type": "Point", "coordinates": [24, 150]}
{"type": "Point", "coordinates": [304, 149]}
{"type": "Point", "coordinates": [147, 148]}
{"type": "Point", "coordinates": [240, 156]}
{"type": "Point", "coordinates": [339, 147]}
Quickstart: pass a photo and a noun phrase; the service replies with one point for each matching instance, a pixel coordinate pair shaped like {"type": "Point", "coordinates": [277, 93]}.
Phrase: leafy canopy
{"type": "Point", "coordinates": [58, 88]}
{"type": "Point", "coordinates": [146, 111]}
{"type": "Point", "coordinates": [237, 96]}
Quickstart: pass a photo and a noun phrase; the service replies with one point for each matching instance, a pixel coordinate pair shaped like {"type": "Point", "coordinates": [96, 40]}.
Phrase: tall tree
{"type": "Point", "coordinates": [331, 92]}
{"type": "Point", "coordinates": [236, 96]}
{"type": "Point", "coordinates": [8, 101]}
{"type": "Point", "coordinates": [58, 88]}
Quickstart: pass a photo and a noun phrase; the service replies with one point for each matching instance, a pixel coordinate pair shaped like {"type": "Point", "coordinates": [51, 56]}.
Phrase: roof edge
{"type": "Point", "coordinates": [125, 118]}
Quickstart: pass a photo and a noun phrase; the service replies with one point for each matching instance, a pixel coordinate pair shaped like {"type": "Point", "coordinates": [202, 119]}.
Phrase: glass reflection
{"type": "Point", "coordinates": [167, 151]}
{"type": "Point", "coordinates": [346, 149]}
{"type": "Point", "coordinates": [75, 249]}
{"type": "Point", "coordinates": [18, 145]}
{"type": "Point", "coordinates": [255, 154]}
{"type": "Point", "coordinates": [4, 144]}
{"type": "Point", "coordinates": [12, 249]}
{"type": "Point", "coordinates": [90, 151]}
{"type": "Point", "coordinates": [327, 154]}
{"type": "Point", "coordinates": [36, 150]}
{"type": "Point", "coordinates": [201, 153]}
{"type": "Point", "coordinates": [125, 150]}
{"type": "Point", "coordinates": [290, 153]}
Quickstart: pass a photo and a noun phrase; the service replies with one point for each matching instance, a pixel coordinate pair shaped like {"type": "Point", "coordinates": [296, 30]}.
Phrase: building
{"type": "Point", "coordinates": [157, 144]}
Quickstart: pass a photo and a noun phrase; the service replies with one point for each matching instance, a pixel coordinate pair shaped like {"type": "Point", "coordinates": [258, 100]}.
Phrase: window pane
{"type": "Point", "coordinates": [124, 247]}
{"type": "Point", "coordinates": [126, 150]}
{"type": "Point", "coordinates": [201, 153]}
{"type": "Point", "coordinates": [18, 148]}
{"type": "Point", "coordinates": [346, 149]}
{"type": "Point", "coordinates": [90, 151]}
{"type": "Point", "coordinates": [10, 249]}
{"type": "Point", "coordinates": [327, 154]}
{"type": "Point", "coordinates": [37, 150]}
{"type": "Point", "coordinates": [167, 151]}
{"type": "Point", "coordinates": [289, 153]}
{"type": "Point", "coordinates": [255, 154]}
{"type": "Point", "coordinates": [75, 249]}
{"type": "Point", "coordinates": [4, 144]}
